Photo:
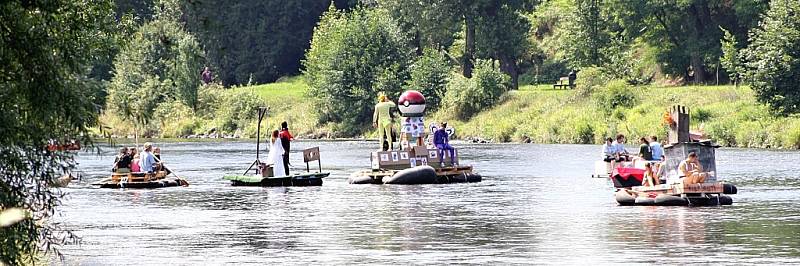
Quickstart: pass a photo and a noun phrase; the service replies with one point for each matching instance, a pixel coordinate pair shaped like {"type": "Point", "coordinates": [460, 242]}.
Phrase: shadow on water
{"type": "Point", "coordinates": [537, 204]}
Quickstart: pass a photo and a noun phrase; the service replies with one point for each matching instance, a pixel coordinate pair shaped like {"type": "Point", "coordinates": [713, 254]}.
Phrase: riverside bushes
{"type": "Point", "coordinates": [468, 96]}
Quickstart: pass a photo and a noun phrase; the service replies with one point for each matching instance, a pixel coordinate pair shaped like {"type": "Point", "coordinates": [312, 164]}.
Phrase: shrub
{"type": "Point", "coordinates": [700, 115]}
{"type": "Point", "coordinates": [772, 60]}
{"type": "Point", "coordinates": [617, 94]}
{"type": "Point", "coordinates": [353, 57]}
{"type": "Point", "coordinates": [238, 110]}
{"type": "Point", "coordinates": [160, 63]}
{"type": "Point", "coordinates": [429, 76]}
{"type": "Point", "coordinates": [590, 79]}
{"type": "Point", "coordinates": [467, 97]}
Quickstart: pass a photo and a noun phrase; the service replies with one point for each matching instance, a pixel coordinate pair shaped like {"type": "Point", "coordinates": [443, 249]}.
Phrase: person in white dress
{"type": "Point", "coordinates": [275, 157]}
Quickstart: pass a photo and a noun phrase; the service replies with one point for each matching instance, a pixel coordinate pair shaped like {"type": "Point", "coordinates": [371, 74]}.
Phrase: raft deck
{"type": "Point", "coordinates": [141, 180]}
{"type": "Point", "coordinates": [306, 179]}
{"type": "Point", "coordinates": [444, 175]}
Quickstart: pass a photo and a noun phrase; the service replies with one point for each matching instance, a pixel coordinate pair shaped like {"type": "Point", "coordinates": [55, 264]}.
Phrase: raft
{"type": "Point", "coordinates": [704, 194]}
{"type": "Point", "coordinates": [141, 180]}
{"type": "Point", "coordinates": [416, 175]}
{"type": "Point", "coordinates": [306, 179]}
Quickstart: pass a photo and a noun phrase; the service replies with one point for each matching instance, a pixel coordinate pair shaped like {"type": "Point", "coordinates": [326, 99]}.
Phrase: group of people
{"type": "Point", "coordinates": [649, 150]}
{"type": "Point", "coordinates": [383, 119]}
{"type": "Point", "coordinates": [652, 152]}
{"type": "Point", "coordinates": [130, 160]}
{"type": "Point", "coordinates": [279, 150]}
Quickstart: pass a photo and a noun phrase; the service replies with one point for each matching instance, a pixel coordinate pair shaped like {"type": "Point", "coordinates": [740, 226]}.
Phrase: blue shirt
{"type": "Point", "coordinates": [440, 137]}
{"type": "Point", "coordinates": [146, 162]}
{"type": "Point", "coordinates": [657, 150]}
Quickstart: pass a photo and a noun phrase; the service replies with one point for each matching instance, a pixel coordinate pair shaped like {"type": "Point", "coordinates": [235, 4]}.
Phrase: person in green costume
{"type": "Point", "coordinates": [382, 120]}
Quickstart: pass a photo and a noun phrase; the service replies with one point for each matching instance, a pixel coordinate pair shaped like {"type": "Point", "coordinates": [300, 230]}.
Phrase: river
{"type": "Point", "coordinates": [536, 204]}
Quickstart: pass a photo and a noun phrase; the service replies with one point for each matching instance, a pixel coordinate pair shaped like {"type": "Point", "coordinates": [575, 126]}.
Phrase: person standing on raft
{"type": "Point", "coordinates": [286, 138]}
{"type": "Point", "coordinates": [275, 156]}
{"type": "Point", "coordinates": [382, 120]}
{"type": "Point", "coordinates": [442, 142]}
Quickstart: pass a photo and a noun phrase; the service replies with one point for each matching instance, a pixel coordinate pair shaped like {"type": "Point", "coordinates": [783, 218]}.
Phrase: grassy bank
{"type": "Point", "coordinates": [726, 114]}
{"type": "Point", "coordinates": [229, 111]}
{"type": "Point", "coordinates": [539, 114]}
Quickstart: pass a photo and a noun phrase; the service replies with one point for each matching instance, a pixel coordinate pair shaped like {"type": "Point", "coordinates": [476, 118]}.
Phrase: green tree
{"type": "Point", "coordinates": [353, 56]}
{"type": "Point", "coordinates": [772, 60]}
{"type": "Point", "coordinates": [468, 96]}
{"type": "Point", "coordinates": [730, 59]}
{"type": "Point", "coordinates": [162, 62]}
{"type": "Point", "coordinates": [46, 48]}
{"type": "Point", "coordinates": [685, 33]}
{"type": "Point", "coordinates": [254, 38]}
{"type": "Point", "coordinates": [429, 75]}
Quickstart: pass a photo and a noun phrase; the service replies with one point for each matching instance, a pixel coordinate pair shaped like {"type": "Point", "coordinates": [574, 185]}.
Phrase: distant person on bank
{"type": "Point", "coordinates": [206, 76]}
{"type": "Point", "coordinates": [286, 138]}
{"type": "Point", "coordinates": [442, 142]}
{"type": "Point", "coordinates": [656, 148]}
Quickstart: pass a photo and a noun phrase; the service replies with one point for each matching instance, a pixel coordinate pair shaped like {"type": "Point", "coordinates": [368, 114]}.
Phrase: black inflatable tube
{"type": "Point", "coordinates": [623, 198]}
{"type": "Point", "coordinates": [729, 189]}
{"type": "Point", "coordinates": [669, 200]}
{"type": "Point", "coordinates": [413, 176]}
{"type": "Point", "coordinates": [725, 200]}
{"type": "Point", "coordinates": [361, 179]}
{"type": "Point", "coordinates": [644, 201]}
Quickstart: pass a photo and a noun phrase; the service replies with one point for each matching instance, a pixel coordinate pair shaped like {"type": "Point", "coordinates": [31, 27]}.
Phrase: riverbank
{"type": "Point", "coordinates": [537, 114]}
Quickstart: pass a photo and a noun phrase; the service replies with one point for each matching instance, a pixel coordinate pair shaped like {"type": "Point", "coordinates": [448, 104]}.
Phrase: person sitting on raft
{"type": "Point", "coordinates": [644, 150]}
{"type": "Point", "coordinates": [122, 164]}
{"type": "Point", "coordinates": [442, 142]}
{"type": "Point", "coordinates": [135, 162]}
{"type": "Point", "coordinates": [609, 152]}
{"type": "Point", "coordinates": [650, 178]}
{"type": "Point", "coordinates": [692, 170]}
{"type": "Point", "coordinates": [619, 148]}
{"type": "Point", "coordinates": [656, 148]}
{"type": "Point", "coordinates": [147, 161]}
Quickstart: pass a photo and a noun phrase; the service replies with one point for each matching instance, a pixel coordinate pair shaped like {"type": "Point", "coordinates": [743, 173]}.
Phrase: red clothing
{"type": "Point", "coordinates": [284, 134]}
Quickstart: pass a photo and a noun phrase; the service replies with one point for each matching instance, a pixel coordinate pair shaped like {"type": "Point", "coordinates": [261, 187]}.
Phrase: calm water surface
{"type": "Point", "coordinates": [537, 204]}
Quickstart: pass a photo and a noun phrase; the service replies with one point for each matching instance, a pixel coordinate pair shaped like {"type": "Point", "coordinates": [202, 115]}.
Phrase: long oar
{"type": "Point", "coordinates": [182, 181]}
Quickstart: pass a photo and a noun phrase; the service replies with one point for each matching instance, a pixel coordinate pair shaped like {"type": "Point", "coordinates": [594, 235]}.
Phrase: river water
{"type": "Point", "coordinates": [536, 204]}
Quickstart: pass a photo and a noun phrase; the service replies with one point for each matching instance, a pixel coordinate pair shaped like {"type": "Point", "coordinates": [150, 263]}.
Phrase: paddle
{"type": "Point", "coordinates": [183, 182]}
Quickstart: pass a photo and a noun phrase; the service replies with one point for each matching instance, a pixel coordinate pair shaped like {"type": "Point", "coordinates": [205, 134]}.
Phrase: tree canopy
{"type": "Point", "coordinates": [47, 48]}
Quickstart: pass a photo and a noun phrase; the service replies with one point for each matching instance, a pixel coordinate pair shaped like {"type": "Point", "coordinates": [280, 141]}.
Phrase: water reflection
{"type": "Point", "coordinates": [537, 204]}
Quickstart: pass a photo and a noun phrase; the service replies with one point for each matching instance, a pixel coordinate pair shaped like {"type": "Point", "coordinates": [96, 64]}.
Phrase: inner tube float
{"type": "Point", "coordinates": [624, 198]}
{"type": "Point", "coordinates": [413, 176]}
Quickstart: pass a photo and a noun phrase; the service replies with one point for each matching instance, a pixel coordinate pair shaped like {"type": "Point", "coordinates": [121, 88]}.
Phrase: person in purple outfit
{"type": "Point", "coordinates": [442, 142]}
{"type": "Point", "coordinates": [206, 75]}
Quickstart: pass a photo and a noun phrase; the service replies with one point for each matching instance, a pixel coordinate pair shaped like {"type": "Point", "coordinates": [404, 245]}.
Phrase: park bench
{"type": "Point", "coordinates": [566, 82]}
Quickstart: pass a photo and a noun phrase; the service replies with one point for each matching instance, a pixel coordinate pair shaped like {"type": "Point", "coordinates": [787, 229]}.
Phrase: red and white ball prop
{"type": "Point", "coordinates": [411, 104]}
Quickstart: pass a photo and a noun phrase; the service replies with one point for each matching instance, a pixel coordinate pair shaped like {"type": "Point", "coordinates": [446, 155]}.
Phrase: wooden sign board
{"type": "Point", "coordinates": [311, 154]}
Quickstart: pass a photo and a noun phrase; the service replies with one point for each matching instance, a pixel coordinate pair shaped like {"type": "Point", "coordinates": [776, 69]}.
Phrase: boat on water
{"type": "Point", "coordinates": [673, 189]}
{"type": "Point", "coordinates": [263, 172]}
{"type": "Point", "coordinates": [156, 179]}
{"type": "Point", "coordinates": [415, 162]}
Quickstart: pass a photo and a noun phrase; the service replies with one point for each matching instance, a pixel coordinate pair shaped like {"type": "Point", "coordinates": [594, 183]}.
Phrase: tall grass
{"type": "Point", "coordinates": [726, 114]}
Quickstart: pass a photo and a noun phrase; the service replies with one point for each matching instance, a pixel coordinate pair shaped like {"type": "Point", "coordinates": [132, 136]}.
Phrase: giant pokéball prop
{"type": "Point", "coordinates": [411, 104]}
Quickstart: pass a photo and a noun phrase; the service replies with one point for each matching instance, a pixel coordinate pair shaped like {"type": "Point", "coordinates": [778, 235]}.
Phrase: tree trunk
{"type": "Point", "coordinates": [469, 46]}
{"type": "Point", "coordinates": [509, 66]}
